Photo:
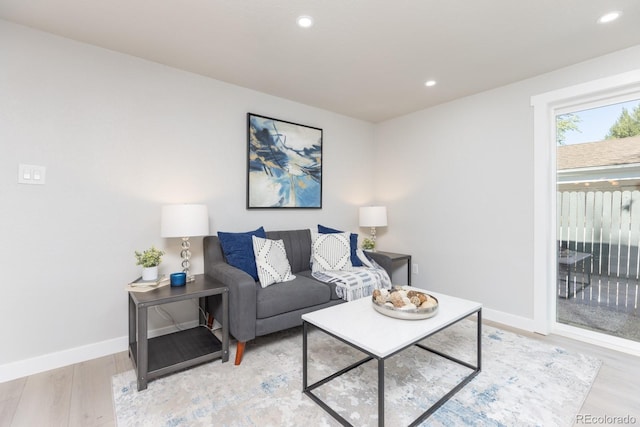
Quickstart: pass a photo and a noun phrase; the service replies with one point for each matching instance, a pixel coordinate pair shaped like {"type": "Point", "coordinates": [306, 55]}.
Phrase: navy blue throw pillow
{"type": "Point", "coordinates": [238, 249]}
{"type": "Point", "coordinates": [353, 242]}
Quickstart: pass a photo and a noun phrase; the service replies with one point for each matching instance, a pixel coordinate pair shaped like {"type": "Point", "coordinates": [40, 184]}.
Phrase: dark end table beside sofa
{"type": "Point", "coordinates": [256, 311]}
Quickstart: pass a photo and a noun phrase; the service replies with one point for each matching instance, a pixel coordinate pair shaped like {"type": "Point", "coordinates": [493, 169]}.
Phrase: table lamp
{"type": "Point", "coordinates": [184, 221]}
{"type": "Point", "coordinates": [373, 216]}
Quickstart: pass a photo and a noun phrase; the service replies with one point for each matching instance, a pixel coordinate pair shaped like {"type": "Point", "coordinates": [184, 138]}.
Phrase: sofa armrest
{"type": "Point", "coordinates": [242, 299]}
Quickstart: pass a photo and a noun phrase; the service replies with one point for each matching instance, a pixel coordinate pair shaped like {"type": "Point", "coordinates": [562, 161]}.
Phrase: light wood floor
{"type": "Point", "coordinates": [80, 395]}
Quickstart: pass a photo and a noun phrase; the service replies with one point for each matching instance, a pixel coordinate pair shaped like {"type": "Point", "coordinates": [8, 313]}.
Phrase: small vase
{"type": "Point", "coordinates": [150, 273]}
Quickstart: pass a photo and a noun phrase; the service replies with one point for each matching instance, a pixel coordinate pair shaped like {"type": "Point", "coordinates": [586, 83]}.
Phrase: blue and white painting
{"type": "Point", "coordinates": [285, 164]}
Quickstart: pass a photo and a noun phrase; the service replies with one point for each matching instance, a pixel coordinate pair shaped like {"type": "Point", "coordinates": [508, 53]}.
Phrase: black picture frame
{"type": "Point", "coordinates": [284, 164]}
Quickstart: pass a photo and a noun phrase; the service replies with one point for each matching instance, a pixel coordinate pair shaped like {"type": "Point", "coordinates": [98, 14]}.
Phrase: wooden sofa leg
{"type": "Point", "coordinates": [239, 352]}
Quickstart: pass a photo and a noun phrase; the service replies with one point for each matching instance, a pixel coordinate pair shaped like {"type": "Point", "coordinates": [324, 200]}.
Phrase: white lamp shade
{"type": "Point", "coordinates": [184, 221]}
{"type": "Point", "coordinates": [373, 216]}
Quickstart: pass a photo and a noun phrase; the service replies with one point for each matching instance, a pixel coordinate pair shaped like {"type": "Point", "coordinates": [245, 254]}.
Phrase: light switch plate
{"type": "Point", "coordinates": [31, 174]}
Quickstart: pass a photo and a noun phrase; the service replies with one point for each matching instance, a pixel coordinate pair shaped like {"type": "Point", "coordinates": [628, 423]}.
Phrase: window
{"type": "Point", "coordinates": [547, 106]}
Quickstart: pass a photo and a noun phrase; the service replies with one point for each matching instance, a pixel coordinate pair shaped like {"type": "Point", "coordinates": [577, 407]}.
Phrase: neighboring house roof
{"type": "Point", "coordinates": [609, 152]}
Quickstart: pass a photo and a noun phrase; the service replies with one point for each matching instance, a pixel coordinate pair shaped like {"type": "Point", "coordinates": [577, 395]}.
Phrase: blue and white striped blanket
{"type": "Point", "coordinates": [357, 282]}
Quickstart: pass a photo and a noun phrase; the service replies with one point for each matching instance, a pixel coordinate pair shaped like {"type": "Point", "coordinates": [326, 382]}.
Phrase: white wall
{"type": "Point", "coordinates": [458, 182]}
{"type": "Point", "coordinates": [120, 137]}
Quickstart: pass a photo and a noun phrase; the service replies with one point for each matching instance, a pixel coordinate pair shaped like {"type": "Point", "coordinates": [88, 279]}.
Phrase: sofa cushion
{"type": "Point", "coordinates": [332, 286]}
{"type": "Point", "coordinates": [353, 242]}
{"type": "Point", "coordinates": [283, 297]}
{"type": "Point", "coordinates": [271, 261]}
{"type": "Point", "coordinates": [331, 252]}
{"type": "Point", "coordinates": [238, 249]}
{"type": "Point", "coordinates": [298, 246]}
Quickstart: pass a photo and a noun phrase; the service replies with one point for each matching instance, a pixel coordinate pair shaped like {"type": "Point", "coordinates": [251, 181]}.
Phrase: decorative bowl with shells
{"type": "Point", "coordinates": [404, 304]}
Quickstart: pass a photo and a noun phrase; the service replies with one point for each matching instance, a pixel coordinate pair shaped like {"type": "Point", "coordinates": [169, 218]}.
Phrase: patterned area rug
{"type": "Point", "coordinates": [523, 382]}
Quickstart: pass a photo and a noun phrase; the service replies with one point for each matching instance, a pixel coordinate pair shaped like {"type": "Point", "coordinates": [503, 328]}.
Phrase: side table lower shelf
{"type": "Point", "coordinates": [179, 350]}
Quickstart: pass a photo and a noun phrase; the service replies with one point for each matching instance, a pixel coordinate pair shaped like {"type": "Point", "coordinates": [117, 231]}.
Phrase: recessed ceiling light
{"type": "Point", "coordinates": [430, 83]}
{"type": "Point", "coordinates": [304, 21]}
{"type": "Point", "coordinates": [609, 17]}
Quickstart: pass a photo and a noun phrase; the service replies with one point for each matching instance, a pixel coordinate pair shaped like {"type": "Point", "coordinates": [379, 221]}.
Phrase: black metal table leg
{"type": "Point", "coordinates": [304, 355]}
{"type": "Point", "coordinates": [308, 389]}
{"type": "Point", "coordinates": [381, 392]}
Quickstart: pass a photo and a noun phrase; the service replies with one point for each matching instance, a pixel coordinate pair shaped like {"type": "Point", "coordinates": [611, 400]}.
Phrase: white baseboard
{"type": "Point", "coordinates": [508, 319]}
{"type": "Point", "coordinates": [46, 362]}
{"type": "Point", "coordinates": [599, 339]}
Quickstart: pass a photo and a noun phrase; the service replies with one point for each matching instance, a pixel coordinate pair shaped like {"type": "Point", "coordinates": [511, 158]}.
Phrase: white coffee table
{"type": "Point", "coordinates": [356, 323]}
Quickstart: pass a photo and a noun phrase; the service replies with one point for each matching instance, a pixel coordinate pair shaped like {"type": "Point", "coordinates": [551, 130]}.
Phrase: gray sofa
{"type": "Point", "coordinates": [256, 311]}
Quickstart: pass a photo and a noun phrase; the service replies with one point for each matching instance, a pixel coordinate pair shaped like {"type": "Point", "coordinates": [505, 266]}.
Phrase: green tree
{"type": "Point", "coordinates": [628, 124]}
{"type": "Point", "coordinates": [565, 123]}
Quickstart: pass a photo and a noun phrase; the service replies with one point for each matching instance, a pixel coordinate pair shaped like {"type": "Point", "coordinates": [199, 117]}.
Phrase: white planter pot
{"type": "Point", "coordinates": [150, 273]}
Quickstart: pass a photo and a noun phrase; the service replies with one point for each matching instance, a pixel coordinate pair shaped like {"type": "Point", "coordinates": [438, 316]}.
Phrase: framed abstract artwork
{"type": "Point", "coordinates": [284, 164]}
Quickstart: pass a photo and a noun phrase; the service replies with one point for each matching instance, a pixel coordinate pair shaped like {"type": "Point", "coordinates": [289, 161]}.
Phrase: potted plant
{"type": "Point", "coordinates": [368, 244]}
{"type": "Point", "coordinates": [149, 259]}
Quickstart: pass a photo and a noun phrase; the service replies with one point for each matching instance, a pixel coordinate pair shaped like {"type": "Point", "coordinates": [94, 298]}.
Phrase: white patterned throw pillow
{"type": "Point", "coordinates": [271, 261]}
{"type": "Point", "coordinates": [331, 252]}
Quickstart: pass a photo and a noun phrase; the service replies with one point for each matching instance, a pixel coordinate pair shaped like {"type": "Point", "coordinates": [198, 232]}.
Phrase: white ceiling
{"type": "Point", "coordinates": [367, 59]}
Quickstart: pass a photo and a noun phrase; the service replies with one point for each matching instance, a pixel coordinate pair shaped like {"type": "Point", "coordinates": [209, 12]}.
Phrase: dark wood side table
{"type": "Point", "coordinates": [389, 258]}
{"type": "Point", "coordinates": [178, 350]}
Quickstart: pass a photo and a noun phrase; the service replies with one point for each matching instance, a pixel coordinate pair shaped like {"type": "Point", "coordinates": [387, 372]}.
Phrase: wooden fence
{"type": "Point", "coordinates": [606, 225]}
